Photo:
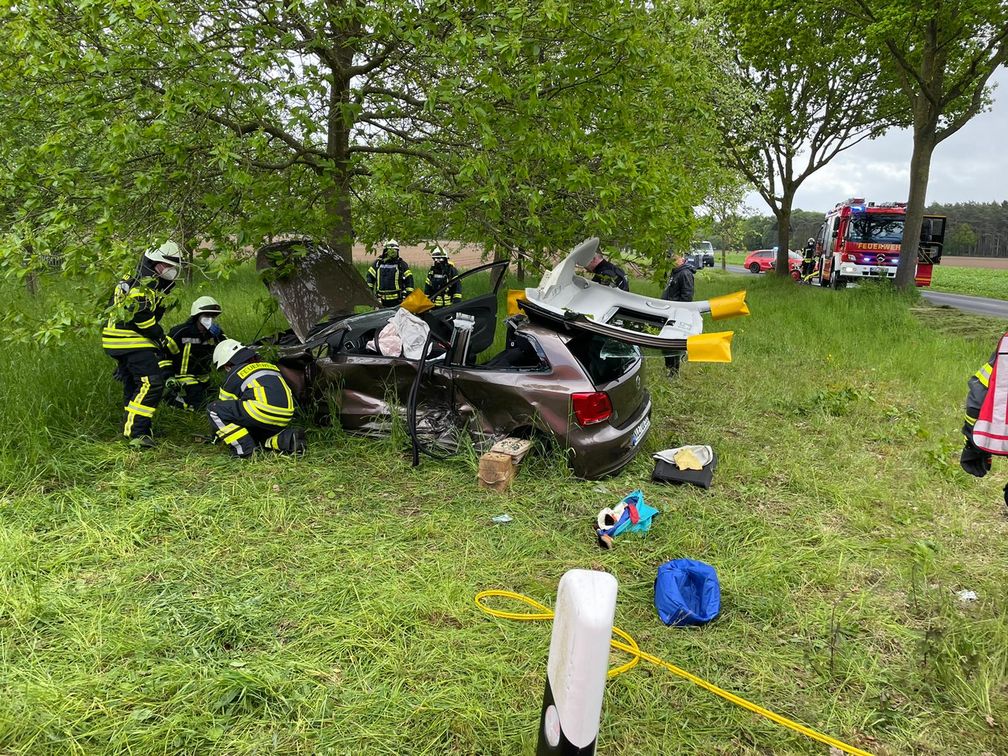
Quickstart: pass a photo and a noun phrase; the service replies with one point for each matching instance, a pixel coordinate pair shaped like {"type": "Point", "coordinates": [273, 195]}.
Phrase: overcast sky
{"type": "Point", "coordinates": [971, 165]}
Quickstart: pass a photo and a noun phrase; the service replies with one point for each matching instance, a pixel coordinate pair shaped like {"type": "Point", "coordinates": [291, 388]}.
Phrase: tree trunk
{"type": "Point", "coordinates": [31, 279]}
{"type": "Point", "coordinates": [186, 243]}
{"type": "Point", "coordinates": [339, 221]}
{"type": "Point", "coordinates": [920, 169]}
{"type": "Point", "coordinates": [782, 266]}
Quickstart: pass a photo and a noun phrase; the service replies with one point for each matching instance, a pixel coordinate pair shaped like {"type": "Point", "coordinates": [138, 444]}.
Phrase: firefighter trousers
{"type": "Point", "coordinates": [143, 382]}
{"type": "Point", "coordinates": [244, 434]}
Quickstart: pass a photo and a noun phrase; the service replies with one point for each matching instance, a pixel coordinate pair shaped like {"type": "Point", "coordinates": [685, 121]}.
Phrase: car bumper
{"type": "Point", "coordinates": [853, 270]}
{"type": "Point", "coordinates": [598, 451]}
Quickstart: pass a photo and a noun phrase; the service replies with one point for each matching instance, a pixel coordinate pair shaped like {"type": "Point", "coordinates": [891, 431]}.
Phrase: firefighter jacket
{"type": "Point", "coordinates": [608, 274]}
{"type": "Point", "coordinates": [390, 280]}
{"type": "Point", "coordinates": [191, 348]}
{"type": "Point", "coordinates": [438, 277]}
{"type": "Point", "coordinates": [809, 254]}
{"type": "Point", "coordinates": [680, 285]}
{"type": "Point", "coordinates": [261, 391]}
{"type": "Point", "coordinates": [987, 428]}
{"type": "Point", "coordinates": [137, 306]}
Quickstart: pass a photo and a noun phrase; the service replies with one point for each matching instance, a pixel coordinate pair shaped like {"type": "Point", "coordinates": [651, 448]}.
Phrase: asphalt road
{"type": "Point", "coordinates": [992, 308]}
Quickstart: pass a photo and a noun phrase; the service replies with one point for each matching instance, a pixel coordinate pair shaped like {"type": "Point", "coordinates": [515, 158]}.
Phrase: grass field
{"type": "Point", "coordinates": [978, 282]}
{"type": "Point", "coordinates": [179, 601]}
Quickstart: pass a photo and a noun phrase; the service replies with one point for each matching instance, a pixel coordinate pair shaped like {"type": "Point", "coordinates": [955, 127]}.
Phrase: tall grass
{"type": "Point", "coordinates": [182, 601]}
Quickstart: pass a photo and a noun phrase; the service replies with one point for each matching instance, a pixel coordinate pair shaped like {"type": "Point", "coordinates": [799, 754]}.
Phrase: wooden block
{"type": "Point", "coordinates": [496, 470]}
{"type": "Point", "coordinates": [516, 448]}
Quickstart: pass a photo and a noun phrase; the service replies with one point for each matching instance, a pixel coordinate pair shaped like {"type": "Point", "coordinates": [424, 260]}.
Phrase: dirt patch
{"type": "Point", "coordinates": [464, 256]}
{"type": "Point", "coordinates": [997, 263]}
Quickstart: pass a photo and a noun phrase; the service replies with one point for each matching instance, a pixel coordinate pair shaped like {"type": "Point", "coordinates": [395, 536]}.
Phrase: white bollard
{"type": "Point", "coordinates": [578, 663]}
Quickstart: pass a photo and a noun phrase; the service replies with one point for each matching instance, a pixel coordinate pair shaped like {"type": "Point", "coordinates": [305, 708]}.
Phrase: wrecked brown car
{"type": "Point", "coordinates": [577, 380]}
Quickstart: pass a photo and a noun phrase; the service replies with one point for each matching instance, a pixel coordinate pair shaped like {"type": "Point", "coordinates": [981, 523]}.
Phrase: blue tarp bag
{"type": "Point", "coordinates": [687, 592]}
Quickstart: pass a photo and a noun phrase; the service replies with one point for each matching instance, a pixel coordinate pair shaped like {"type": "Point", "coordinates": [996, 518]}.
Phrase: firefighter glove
{"type": "Point", "coordinates": [974, 461]}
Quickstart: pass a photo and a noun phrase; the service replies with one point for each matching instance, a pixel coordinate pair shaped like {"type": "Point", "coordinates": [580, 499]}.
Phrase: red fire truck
{"type": "Point", "coordinates": [862, 240]}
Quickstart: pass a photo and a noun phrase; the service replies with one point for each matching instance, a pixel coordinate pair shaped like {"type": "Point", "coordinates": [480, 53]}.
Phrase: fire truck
{"type": "Point", "coordinates": [862, 240]}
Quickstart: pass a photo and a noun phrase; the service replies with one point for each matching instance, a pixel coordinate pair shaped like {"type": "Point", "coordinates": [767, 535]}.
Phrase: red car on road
{"type": "Point", "coordinates": [760, 260]}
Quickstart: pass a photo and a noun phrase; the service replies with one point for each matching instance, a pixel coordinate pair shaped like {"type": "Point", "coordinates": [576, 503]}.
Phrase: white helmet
{"type": "Point", "coordinates": [224, 351]}
{"type": "Point", "coordinates": [168, 253]}
{"type": "Point", "coordinates": [205, 306]}
{"type": "Point", "coordinates": [390, 244]}
{"type": "Point", "coordinates": [438, 253]}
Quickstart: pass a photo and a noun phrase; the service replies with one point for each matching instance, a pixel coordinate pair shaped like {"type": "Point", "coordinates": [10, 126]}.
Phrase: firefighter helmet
{"type": "Point", "coordinates": [168, 253]}
{"type": "Point", "coordinates": [390, 246]}
{"type": "Point", "coordinates": [438, 253]}
{"type": "Point", "coordinates": [224, 351]}
{"type": "Point", "coordinates": [811, 240]}
{"type": "Point", "coordinates": [205, 306]}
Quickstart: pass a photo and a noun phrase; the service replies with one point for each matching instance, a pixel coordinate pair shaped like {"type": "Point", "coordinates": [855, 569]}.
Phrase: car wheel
{"type": "Point", "coordinates": [754, 268]}
{"type": "Point", "coordinates": [836, 280]}
{"type": "Point", "coordinates": [795, 274]}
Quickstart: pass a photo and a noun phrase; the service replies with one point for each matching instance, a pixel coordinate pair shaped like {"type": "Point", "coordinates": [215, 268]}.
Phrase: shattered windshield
{"type": "Point", "coordinates": [876, 229]}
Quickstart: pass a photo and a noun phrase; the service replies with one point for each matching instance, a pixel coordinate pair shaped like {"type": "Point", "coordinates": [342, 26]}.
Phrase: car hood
{"type": "Point", "coordinates": [568, 302]}
{"type": "Point", "coordinates": [311, 282]}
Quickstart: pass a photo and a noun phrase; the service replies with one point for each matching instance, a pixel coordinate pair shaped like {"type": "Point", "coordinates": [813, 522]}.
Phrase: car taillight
{"type": "Point", "coordinates": [848, 257]}
{"type": "Point", "coordinates": [591, 408]}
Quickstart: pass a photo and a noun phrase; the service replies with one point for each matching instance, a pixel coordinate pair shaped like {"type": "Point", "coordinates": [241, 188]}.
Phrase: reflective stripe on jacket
{"type": "Point", "coordinates": [262, 391]}
{"type": "Point", "coordinates": [438, 277]}
{"type": "Point", "coordinates": [134, 320]}
{"type": "Point", "coordinates": [990, 428]}
{"type": "Point", "coordinates": [192, 348]}
{"type": "Point", "coordinates": [390, 280]}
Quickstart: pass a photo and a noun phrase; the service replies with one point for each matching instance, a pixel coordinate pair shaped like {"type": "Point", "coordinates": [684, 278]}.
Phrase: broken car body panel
{"type": "Point", "coordinates": [571, 303]}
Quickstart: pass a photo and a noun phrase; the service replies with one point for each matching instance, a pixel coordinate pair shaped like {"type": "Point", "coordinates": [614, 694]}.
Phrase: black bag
{"type": "Point", "coordinates": [667, 472]}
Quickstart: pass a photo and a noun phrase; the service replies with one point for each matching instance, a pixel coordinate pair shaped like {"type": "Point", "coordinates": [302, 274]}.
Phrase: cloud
{"type": "Point", "coordinates": [969, 166]}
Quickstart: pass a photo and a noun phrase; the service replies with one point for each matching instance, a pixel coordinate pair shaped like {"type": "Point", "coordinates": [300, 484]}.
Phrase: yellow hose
{"type": "Point", "coordinates": [631, 647]}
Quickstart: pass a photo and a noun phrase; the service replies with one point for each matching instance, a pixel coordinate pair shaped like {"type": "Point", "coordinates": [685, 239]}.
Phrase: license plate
{"type": "Point", "coordinates": [878, 271]}
{"type": "Point", "coordinates": [639, 431]}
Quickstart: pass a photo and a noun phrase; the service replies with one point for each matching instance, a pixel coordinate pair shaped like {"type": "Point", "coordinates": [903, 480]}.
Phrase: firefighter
{"type": "Point", "coordinates": [606, 273]}
{"type": "Point", "coordinates": [389, 277]}
{"type": "Point", "coordinates": [808, 260]}
{"type": "Point", "coordinates": [133, 337]}
{"type": "Point", "coordinates": [191, 344]}
{"type": "Point", "coordinates": [255, 405]}
{"type": "Point", "coordinates": [678, 289]}
{"type": "Point", "coordinates": [442, 273]}
{"type": "Point", "coordinates": [986, 426]}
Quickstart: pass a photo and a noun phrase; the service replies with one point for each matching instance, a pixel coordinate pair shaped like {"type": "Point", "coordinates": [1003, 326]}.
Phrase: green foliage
{"type": "Point", "coordinates": [813, 92]}
{"type": "Point", "coordinates": [523, 127]}
{"type": "Point", "coordinates": [940, 56]}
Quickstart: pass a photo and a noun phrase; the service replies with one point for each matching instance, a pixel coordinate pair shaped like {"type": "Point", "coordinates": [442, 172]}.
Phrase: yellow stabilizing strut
{"type": "Point", "coordinates": [631, 647]}
{"type": "Point", "coordinates": [729, 305]}
{"type": "Point", "coordinates": [710, 347]}
{"type": "Point", "coordinates": [417, 302]}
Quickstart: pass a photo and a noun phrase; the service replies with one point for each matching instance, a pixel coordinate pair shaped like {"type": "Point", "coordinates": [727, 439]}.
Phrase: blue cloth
{"type": "Point", "coordinates": [624, 523]}
{"type": "Point", "coordinates": [687, 592]}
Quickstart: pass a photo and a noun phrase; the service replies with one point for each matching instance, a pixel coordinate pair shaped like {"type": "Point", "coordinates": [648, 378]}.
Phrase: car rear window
{"type": "Point", "coordinates": [603, 358]}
